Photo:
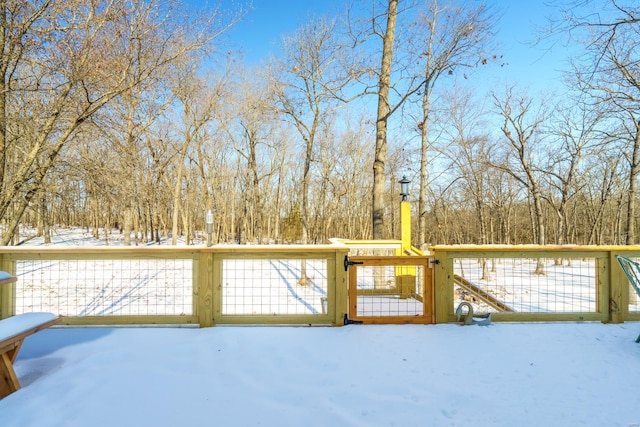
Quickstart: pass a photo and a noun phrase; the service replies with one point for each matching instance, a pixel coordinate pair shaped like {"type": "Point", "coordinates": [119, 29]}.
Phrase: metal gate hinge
{"type": "Point", "coordinates": [348, 263]}
{"type": "Point", "coordinates": [348, 321]}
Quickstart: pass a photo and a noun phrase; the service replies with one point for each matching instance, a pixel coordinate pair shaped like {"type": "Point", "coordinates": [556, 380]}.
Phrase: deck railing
{"type": "Point", "coordinates": [535, 283]}
{"type": "Point", "coordinates": [178, 285]}
{"type": "Point", "coordinates": [306, 284]}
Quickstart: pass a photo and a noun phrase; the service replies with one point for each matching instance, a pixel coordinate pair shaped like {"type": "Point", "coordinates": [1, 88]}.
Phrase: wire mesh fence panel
{"type": "Point", "coordinates": [274, 286]}
{"type": "Point", "coordinates": [105, 287]}
{"type": "Point", "coordinates": [526, 285]}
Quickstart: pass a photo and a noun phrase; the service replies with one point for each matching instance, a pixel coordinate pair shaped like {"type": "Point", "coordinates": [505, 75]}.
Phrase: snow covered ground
{"type": "Point", "coordinates": [561, 374]}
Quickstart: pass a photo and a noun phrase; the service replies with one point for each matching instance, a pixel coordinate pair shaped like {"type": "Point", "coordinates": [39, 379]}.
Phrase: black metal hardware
{"type": "Point", "coordinates": [348, 321]}
{"type": "Point", "coordinates": [347, 263]}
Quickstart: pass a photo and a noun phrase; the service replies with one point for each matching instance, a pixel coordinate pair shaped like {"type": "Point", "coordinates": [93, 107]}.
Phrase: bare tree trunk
{"type": "Point", "coordinates": [378, 202]}
{"type": "Point", "coordinates": [128, 225]}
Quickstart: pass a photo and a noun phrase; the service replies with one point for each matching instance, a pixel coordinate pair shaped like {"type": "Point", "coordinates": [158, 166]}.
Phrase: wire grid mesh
{"type": "Point", "coordinates": [390, 291]}
{"type": "Point", "coordinates": [105, 287]}
{"type": "Point", "coordinates": [568, 287]}
{"type": "Point", "coordinates": [274, 286]}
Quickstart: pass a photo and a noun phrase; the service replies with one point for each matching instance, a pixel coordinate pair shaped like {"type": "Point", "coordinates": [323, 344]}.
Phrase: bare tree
{"type": "Point", "coordinates": [197, 98]}
{"type": "Point", "coordinates": [521, 128]}
{"type": "Point", "coordinates": [597, 199]}
{"type": "Point", "coordinates": [470, 154]}
{"type": "Point", "coordinates": [69, 61]}
{"type": "Point", "coordinates": [577, 138]}
{"type": "Point", "coordinates": [308, 85]}
{"type": "Point", "coordinates": [450, 38]}
{"type": "Point", "coordinates": [608, 75]}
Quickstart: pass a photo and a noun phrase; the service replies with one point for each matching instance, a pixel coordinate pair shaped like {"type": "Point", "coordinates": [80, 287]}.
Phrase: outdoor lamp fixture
{"type": "Point", "coordinates": [209, 221]}
{"type": "Point", "coordinates": [404, 188]}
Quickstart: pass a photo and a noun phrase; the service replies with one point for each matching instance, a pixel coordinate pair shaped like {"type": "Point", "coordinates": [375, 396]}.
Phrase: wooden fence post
{"type": "Point", "coordinates": [7, 291]}
{"type": "Point", "coordinates": [204, 289]}
{"type": "Point", "coordinates": [443, 289]}
{"type": "Point", "coordinates": [618, 297]}
{"type": "Point", "coordinates": [341, 288]}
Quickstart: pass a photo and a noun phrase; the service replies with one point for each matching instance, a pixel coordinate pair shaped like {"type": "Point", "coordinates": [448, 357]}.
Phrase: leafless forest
{"type": "Point", "coordinates": [141, 115]}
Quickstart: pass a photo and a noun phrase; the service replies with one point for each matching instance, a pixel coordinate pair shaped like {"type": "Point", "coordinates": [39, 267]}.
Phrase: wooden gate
{"type": "Point", "coordinates": [390, 289]}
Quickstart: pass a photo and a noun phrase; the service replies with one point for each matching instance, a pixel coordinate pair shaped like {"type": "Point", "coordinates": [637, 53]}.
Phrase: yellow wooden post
{"type": "Point", "coordinates": [405, 225]}
{"type": "Point", "coordinates": [405, 276]}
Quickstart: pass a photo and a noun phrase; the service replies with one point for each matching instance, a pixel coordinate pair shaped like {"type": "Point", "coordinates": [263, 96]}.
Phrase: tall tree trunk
{"type": "Point", "coordinates": [381, 122]}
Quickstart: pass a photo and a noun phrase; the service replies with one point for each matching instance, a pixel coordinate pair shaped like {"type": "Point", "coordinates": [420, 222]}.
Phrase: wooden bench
{"type": "Point", "coordinates": [13, 331]}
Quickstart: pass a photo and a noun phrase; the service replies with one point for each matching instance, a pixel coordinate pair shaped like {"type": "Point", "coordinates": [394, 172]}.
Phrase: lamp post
{"type": "Point", "coordinates": [404, 188]}
{"type": "Point", "coordinates": [209, 221]}
{"type": "Point", "coordinates": [405, 214]}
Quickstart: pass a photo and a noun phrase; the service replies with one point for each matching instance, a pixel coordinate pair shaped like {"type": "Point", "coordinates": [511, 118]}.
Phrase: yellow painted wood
{"type": "Point", "coordinates": [405, 225]}
{"type": "Point", "coordinates": [369, 244]}
{"type": "Point", "coordinates": [405, 276]}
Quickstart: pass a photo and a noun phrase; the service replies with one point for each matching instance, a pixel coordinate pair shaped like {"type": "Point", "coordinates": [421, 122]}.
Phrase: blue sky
{"type": "Point", "coordinates": [268, 20]}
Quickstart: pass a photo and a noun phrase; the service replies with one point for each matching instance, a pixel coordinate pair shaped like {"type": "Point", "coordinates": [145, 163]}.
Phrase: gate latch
{"type": "Point", "coordinates": [348, 262]}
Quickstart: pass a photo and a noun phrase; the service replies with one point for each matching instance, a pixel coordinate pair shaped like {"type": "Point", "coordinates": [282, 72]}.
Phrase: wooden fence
{"type": "Point", "coordinates": [576, 283]}
{"type": "Point", "coordinates": [178, 285]}
{"type": "Point", "coordinates": [306, 284]}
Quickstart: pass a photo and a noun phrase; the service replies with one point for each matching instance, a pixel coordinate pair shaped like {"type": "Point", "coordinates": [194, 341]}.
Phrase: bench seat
{"type": "Point", "coordinates": [13, 331]}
